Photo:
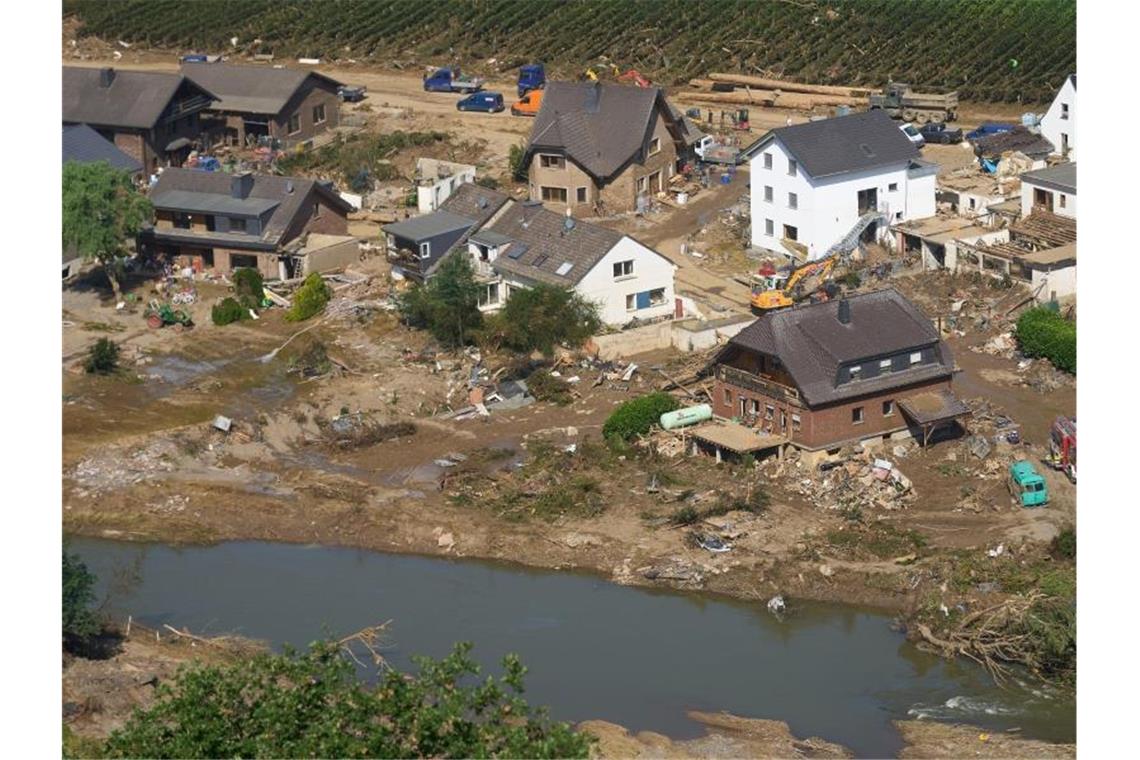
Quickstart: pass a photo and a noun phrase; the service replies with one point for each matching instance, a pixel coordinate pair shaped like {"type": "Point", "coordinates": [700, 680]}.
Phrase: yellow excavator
{"type": "Point", "coordinates": [777, 290]}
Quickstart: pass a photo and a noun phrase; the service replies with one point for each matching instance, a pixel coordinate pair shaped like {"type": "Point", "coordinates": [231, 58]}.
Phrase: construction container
{"type": "Point", "coordinates": [688, 416]}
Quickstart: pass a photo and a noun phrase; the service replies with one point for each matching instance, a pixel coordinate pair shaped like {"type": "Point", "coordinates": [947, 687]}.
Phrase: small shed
{"type": "Point", "coordinates": [934, 409]}
{"type": "Point", "coordinates": [324, 253]}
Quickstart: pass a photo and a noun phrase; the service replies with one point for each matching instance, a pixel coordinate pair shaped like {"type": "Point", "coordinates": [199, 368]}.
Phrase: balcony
{"type": "Point", "coordinates": [756, 383]}
{"type": "Point", "coordinates": [483, 269]}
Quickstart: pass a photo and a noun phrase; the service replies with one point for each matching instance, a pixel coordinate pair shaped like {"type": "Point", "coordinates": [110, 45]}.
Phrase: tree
{"type": "Point", "coordinates": [313, 704]}
{"type": "Point", "coordinates": [103, 358]}
{"type": "Point", "coordinates": [542, 317]}
{"type": "Point", "coordinates": [101, 211]}
{"type": "Point", "coordinates": [448, 305]}
{"type": "Point", "coordinates": [79, 622]}
{"type": "Point", "coordinates": [310, 299]}
{"type": "Point", "coordinates": [515, 159]}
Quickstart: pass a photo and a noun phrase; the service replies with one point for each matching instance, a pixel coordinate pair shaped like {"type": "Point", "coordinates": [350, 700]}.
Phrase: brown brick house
{"type": "Point", "coordinates": [866, 368]}
{"type": "Point", "coordinates": [212, 220]}
{"type": "Point", "coordinates": [288, 105]}
{"type": "Point", "coordinates": [151, 116]}
{"type": "Point", "coordinates": [595, 148]}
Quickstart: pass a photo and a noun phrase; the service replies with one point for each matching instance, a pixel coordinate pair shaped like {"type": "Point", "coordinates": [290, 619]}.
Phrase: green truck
{"type": "Point", "coordinates": [1026, 485]}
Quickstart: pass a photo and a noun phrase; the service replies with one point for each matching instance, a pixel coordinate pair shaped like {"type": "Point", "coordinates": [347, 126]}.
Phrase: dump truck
{"type": "Point", "coordinates": [1026, 485]}
{"type": "Point", "coordinates": [1063, 446]}
{"type": "Point", "coordinates": [532, 76]}
{"type": "Point", "coordinates": [901, 102]}
{"type": "Point", "coordinates": [449, 79]}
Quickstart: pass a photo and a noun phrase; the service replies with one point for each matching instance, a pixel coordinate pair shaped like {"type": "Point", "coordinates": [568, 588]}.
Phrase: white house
{"type": "Point", "coordinates": [1053, 189]}
{"type": "Point", "coordinates": [834, 182]}
{"type": "Point", "coordinates": [1059, 123]}
{"type": "Point", "coordinates": [527, 244]}
{"type": "Point", "coordinates": [437, 180]}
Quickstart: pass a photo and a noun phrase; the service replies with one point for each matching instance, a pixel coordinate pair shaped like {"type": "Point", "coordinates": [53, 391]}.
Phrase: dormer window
{"type": "Point", "coordinates": [916, 357]}
{"type": "Point", "coordinates": [655, 146]}
{"type": "Point", "coordinates": [425, 250]}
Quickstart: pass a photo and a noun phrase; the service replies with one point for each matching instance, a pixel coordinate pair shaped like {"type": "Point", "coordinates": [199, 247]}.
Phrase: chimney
{"type": "Point", "coordinates": [593, 97]}
{"type": "Point", "coordinates": [844, 312]}
{"type": "Point", "coordinates": [241, 184]}
{"type": "Point", "coordinates": [106, 76]}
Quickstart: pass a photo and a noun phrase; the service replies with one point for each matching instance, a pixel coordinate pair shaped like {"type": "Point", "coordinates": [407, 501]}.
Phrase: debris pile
{"type": "Point", "coordinates": [855, 480]}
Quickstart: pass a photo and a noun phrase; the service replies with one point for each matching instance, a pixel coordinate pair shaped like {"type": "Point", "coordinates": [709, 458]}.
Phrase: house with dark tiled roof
{"type": "Point", "coordinates": [829, 184]}
{"type": "Point", "coordinates": [867, 368]}
{"type": "Point", "coordinates": [151, 116]}
{"type": "Point", "coordinates": [291, 106]}
{"type": "Point", "coordinates": [84, 145]}
{"type": "Point", "coordinates": [217, 221]}
{"type": "Point", "coordinates": [598, 148]}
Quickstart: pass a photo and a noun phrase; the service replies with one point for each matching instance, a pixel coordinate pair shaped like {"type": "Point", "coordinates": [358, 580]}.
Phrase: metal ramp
{"type": "Point", "coordinates": [851, 240]}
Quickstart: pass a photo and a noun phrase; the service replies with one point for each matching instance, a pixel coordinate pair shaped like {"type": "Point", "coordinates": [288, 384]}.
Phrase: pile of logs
{"type": "Point", "coordinates": [741, 89]}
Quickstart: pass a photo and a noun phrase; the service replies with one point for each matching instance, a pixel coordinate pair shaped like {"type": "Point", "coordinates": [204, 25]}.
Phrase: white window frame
{"type": "Point", "coordinates": [770, 227]}
{"type": "Point", "coordinates": [551, 161]}
{"type": "Point", "coordinates": [793, 167]}
{"type": "Point", "coordinates": [797, 423]}
{"type": "Point", "coordinates": [542, 191]}
{"type": "Point", "coordinates": [660, 299]}
{"type": "Point", "coordinates": [769, 193]}
{"type": "Point", "coordinates": [793, 201]}
{"type": "Point", "coordinates": [854, 372]}
{"type": "Point", "coordinates": [654, 146]}
{"type": "Point", "coordinates": [324, 114]}
{"type": "Point", "coordinates": [623, 270]}
{"type": "Point", "coordinates": [916, 358]}
{"type": "Point", "coordinates": [631, 301]}
{"type": "Point", "coordinates": [425, 250]}
{"type": "Point", "coordinates": [858, 415]}
{"type": "Point", "coordinates": [768, 160]}
{"type": "Point", "coordinates": [288, 126]}
{"type": "Point", "coordinates": [888, 408]}
{"type": "Point", "coordinates": [884, 364]}
{"type": "Point", "coordinates": [642, 184]}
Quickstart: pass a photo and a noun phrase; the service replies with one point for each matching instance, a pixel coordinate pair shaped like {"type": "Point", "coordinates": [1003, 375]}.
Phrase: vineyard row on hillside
{"type": "Point", "coordinates": [989, 50]}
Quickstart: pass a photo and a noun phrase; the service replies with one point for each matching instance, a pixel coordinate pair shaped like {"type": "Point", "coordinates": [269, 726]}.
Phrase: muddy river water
{"type": "Point", "coordinates": [636, 657]}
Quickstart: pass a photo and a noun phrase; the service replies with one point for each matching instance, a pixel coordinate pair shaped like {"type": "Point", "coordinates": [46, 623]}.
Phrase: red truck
{"type": "Point", "coordinates": [1063, 446]}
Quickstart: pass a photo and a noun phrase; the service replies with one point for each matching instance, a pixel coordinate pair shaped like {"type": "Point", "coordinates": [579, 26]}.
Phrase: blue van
{"type": "Point", "coordinates": [489, 102]}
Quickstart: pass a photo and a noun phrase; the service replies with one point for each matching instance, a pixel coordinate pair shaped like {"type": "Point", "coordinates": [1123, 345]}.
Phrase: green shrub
{"type": "Point", "coordinates": [1043, 333]}
{"type": "Point", "coordinates": [852, 280]}
{"type": "Point", "coordinates": [310, 299]}
{"type": "Point", "coordinates": [79, 621]}
{"type": "Point", "coordinates": [546, 387]}
{"type": "Point", "coordinates": [685, 516]}
{"type": "Point", "coordinates": [1064, 544]}
{"type": "Point", "coordinates": [249, 287]}
{"type": "Point", "coordinates": [103, 358]}
{"type": "Point", "coordinates": [637, 416]}
{"type": "Point", "coordinates": [227, 311]}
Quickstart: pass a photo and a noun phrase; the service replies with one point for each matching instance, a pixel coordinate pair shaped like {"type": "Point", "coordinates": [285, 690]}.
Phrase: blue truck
{"type": "Point", "coordinates": [488, 102]}
{"type": "Point", "coordinates": [449, 79]}
{"type": "Point", "coordinates": [532, 76]}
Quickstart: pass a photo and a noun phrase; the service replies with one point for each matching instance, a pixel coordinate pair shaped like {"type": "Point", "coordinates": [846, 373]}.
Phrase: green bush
{"type": "Point", "coordinates": [1043, 333]}
{"type": "Point", "coordinates": [79, 621]}
{"type": "Point", "coordinates": [310, 299]}
{"type": "Point", "coordinates": [227, 311]}
{"type": "Point", "coordinates": [637, 416]}
{"type": "Point", "coordinates": [1064, 544]}
{"type": "Point", "coordinates": [546, 387]}
{"type": "Point", "coordinates": [103, 358]}
{"type": "Point", "coordinates": [249, 287]}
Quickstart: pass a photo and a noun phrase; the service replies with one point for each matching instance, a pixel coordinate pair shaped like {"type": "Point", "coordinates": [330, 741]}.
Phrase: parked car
{"type": "Point", "coordinates": [1026, 486]}
{"type": "Point", "coordinates": [351, 94]}
{"type": "Point", "coordinates": [450, 79]}
{"type": "Point", "coordinates": [912, 134]}
{"type": "Point", "coordinates": [489, 102]}
{"type": "Point", "coordinates": [528, 104]}
{"type": "Point", "coordinates": [941, 134]}
{"type": "Point", "coordinates": [987, 129]}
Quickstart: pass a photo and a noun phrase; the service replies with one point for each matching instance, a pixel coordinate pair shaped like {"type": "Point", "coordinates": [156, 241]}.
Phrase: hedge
{"type": "Point", "coordinates": [228, 310]}
{"type": "Point", "coordinates": [1044, 333]}
{"type": "Point", "coordinates": [637, 416]}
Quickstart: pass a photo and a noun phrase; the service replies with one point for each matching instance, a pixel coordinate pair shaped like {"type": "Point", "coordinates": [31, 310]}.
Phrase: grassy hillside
{"type": "Point", "coordinates": [971, 45]}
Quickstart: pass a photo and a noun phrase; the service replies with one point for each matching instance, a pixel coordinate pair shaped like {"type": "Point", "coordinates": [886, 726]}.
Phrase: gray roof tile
{"type": "Point", "coordinates": [83, 144]}
{"type": "Point", "coordinates": [135, 99]}
{"type": "Point", "coordinates": [843, 144]}
{"type": "Point", "coordinates": [250, 89]}
{"type": "Point", "coordinates": [428, 225]}
{"type": "Point", "coordinates": [1059, 177]}
{"type": "Point", "coordinates": [550, 244]}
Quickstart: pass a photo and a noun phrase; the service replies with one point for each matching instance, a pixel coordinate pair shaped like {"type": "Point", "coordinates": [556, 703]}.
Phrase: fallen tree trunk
{"type": "Point", "coordinates": [774, 99]}
{"type": "Point", "coordinates": [779, 84]}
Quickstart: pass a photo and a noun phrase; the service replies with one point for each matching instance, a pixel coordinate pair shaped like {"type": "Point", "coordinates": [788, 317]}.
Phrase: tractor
{"type": "Point", "coordinates": [162, 314]}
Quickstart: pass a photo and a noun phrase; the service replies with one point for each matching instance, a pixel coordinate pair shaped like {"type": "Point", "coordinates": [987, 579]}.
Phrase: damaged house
{"type": "Point", "coordinates": [831, 183]}
{"type": "Point", "coordinates": [1053, 189]}
{"type": "Point", "coordinates": [151, 116]}
{"type": "Point", "coordinates": [867, 368]}
{"type": "Point", "coordinates": [217, 221]}
{"type": "Point", "coordinates": [286, 105]}
{"type": "Point", "coordinates": [1039, 251]}
{"type": "Point", "coordinates": [599, 148]}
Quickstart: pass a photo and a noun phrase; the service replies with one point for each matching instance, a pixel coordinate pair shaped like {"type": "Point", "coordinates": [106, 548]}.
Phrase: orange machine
{"type": "Point", "coordinates": [778, 291]}
{"type": "Point", "coordinates": [528, 104]}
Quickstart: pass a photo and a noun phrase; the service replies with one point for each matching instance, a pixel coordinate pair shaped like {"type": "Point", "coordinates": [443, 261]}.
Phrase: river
{"type": "Point", "coordinates": [594, 649]}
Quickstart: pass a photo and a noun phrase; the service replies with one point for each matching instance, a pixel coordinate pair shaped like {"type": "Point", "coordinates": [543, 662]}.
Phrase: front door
{"type": "Point", "coordinates": [655, 183]}
{"type": "Point", "coordinates": [868, 200]}
{"type": "Point", "coordinates": [1042, 199]}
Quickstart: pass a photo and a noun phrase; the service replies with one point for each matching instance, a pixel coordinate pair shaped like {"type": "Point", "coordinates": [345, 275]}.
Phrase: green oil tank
{"type": "Point", "coordinates": [687, 416]}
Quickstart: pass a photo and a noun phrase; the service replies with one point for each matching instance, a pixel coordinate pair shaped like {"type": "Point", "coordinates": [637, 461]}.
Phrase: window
{"type": "Point", "coordinates": [1061, 200]}
{"type": "Point", "coordinates": [973, 203]}
{"type": "Point", "coordinates": [655, 146]}
{"type": "Point", "coordinates": [755, 406]}
{"type": "Point", "coordinates": [294, 124]}
{"type": "Point", "coordinates": [857, 415]}
{"type": "Point", "coordinates": [884, 364]}
{"type": "Point", "coordinates": [727, 396]}
{"type": "Point", "coordinates": [181, 220]}
{"type": "Point", "coordinates": [552, 162]}
{"type": "Point", "coordinates": [553, 194]}
{"type": "Point", "coordinates": [641, 184]}
{"type": "Point", "coordinates": [1064, 110]}
{"type": "Point", "coordinates": [893, 187]}
{"type": "Point", "coordinates": [793, 200]}
{"type": "Point", "coordinates": [888, 408]}
{"type": "Point", "coordinates": [425, 251]}
{"type": "Point", "coordinates": [623, 269]}
{"type": "Point", "coordinates": [237, 225]}
{"type": "Point", "coordinates": [768, 193]}
{"type": "Point", "coordinates": [631, 302]}
{"type": "Point", "coordinates": [767, 160]}
{"type": "Point", "coordinates": [319, 114]}
{"type": "Point", "coordinates": [769, 227]}
{"type": "Point", "coordinates": [791, 168]}
{"type": "Point", "coordinates": [795, 422]}
{"type": "Point", "coordinates": [769, 412]}
{"type": "Point", "coordinates": [489, 294]}
{"type": "Point", "coordinates": [657, 297]}
{"type": "Point", "coordinates": [853, 372]}
{"type": "Point", "coordinates": [790, 232]}
{"type": "Point", "coordinates": [916, 357]}
{"type": "Point", "coordinates": [581, 195]}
